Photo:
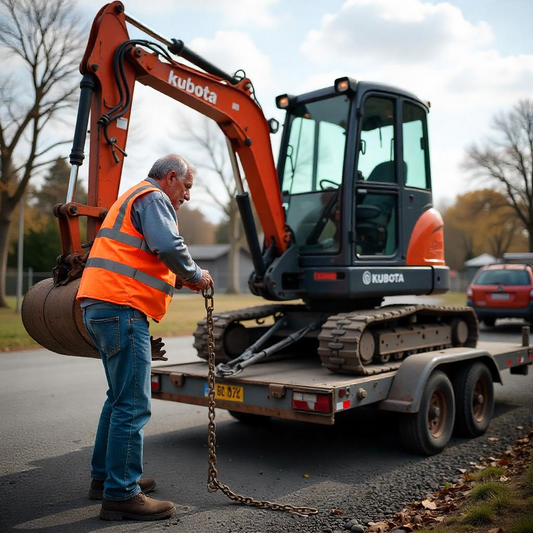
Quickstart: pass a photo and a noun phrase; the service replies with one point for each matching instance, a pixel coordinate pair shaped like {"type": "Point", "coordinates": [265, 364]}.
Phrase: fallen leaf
{"type": "Point", "coordinates": [336, 511]}
{"type": "Point", "coordinates": [429, 505]}
{"type": "Point", "coordinates": [377, 527]}
{"type": "Point", "coordinates": [519, 427]}
{"type": "Point", "coordinates": [503, 479]}
{"type": "Point", "coordinates": [462, 470]}
{"type": "Point", "coordinates": [503, 461]}
{"type": "Point", "coordinates": [496, 530]}
{"type": "Point", "coordinates": [306, 476]}
{"type": "Point", "coordinates": [494, 439]}
{"type": "Point", "coordinates": [439, 519]}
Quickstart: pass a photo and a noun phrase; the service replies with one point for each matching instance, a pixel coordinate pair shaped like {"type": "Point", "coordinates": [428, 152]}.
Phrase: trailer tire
{"type": "Point", "coordinates": [474, 400]}
{"type": "Point", "coordinates": [428, 431]}
{"type": "Point", "coordinates": [249, 418]}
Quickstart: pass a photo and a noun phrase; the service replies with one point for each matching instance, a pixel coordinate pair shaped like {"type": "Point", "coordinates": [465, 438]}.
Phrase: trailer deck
{"type": "Point", "coordinates": [302, 389]}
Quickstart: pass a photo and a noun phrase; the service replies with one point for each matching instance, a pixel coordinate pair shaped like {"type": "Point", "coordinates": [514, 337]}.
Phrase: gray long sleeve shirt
{"type": "Point", "coordinates": [153, 216]}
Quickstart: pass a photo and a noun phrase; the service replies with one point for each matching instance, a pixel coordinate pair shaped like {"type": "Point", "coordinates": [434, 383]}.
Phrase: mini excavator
{"type": "Point", "coordinates": [347, 216]}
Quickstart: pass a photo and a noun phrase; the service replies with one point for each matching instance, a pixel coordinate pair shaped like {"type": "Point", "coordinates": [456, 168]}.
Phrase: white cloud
{"type": "Point", "coordinates": [232, 50]}
{"type": "Point", "coordinates": [403, 31]}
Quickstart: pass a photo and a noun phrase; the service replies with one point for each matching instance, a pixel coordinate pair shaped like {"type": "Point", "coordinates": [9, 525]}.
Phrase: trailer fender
{"type": "Point", "coordinates": [408, 385]}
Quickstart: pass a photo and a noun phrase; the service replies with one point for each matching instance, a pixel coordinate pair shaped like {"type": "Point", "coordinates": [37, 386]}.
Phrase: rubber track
{"type": "Point", "coordinates": [340, 335]}
{"type": "Point", "coordinates": [223, 320]}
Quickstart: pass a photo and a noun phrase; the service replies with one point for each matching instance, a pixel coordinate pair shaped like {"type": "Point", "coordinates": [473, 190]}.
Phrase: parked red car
{"type": "Point", "coordinates": [502, 291]}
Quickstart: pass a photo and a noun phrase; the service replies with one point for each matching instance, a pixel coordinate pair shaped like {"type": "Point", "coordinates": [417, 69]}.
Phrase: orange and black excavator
{"type": "Point", "coordinates": [347, 216]}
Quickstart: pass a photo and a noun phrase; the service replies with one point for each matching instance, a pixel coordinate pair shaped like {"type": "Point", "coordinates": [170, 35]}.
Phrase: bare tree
{"type": "Point", "coordinates": [213, 157]}
{"type": "Point", "coordinates": [43, 39]}
{"type": "Point", "coordinates": [507, 161]}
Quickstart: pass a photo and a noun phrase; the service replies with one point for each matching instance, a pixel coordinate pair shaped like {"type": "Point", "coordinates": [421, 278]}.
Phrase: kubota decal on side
{"type": "Point", "coordinates": [188, 86]}
{"type": "Point", "coordinates": [394, 277]}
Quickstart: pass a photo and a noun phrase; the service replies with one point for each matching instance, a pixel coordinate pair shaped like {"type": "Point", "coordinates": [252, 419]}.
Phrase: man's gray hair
{"type": "Point", "coordinates": [166, 164]}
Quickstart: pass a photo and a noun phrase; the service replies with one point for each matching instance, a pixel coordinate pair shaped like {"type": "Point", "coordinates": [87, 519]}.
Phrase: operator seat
{"type": "Point", "coordinates": [377, 235]}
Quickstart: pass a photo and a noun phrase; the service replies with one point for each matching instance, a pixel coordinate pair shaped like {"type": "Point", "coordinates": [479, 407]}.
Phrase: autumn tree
{"type": "Point", "coordinates": [481, 222]}
{"type": "Point", "coordinates": [506, 161]}
{"type": "Point", "coordinates": [42, 40]}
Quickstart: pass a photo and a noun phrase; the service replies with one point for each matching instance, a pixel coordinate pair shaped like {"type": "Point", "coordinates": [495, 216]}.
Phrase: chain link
{"type": "Point", "coordinates": [213, 483]}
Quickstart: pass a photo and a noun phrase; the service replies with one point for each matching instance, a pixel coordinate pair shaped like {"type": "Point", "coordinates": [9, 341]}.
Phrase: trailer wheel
{"type": "Point", "coordinates": [429, 431]}
{"type": "Point", "coordinates": [249, 418]}
{"type": "Point", "coordinates": [474, 400]}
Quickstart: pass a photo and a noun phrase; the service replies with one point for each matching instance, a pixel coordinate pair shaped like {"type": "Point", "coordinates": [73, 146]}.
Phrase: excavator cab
{"type": "Point", "coordinates": [356, 190]}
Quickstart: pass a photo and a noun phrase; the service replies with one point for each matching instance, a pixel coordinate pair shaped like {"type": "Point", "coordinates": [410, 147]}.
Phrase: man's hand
{"type": "Point", "coordinates": [158, 354]}
{"type": "Point", "coordinates": [205, 282]}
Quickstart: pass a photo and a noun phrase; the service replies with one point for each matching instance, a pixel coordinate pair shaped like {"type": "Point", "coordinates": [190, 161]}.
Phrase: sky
{"type": "Point", "coordinates": [471, 59]}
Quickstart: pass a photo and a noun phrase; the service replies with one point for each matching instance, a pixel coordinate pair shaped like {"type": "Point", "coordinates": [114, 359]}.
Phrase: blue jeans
{"type": "Point", "coordinates": [121, 335]}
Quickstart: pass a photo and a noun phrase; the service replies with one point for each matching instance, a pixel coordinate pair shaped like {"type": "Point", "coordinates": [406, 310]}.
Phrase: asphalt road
{"type": "Point", "coordinates": [49, 407]}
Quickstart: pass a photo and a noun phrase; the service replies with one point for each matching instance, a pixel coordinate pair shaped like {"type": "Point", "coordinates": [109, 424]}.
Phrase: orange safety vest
{"type": "Point", "coordinates": [121, 269]}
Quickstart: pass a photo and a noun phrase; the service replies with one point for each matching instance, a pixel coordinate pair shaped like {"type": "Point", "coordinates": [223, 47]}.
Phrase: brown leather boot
{"type": "Point", "coordinates": [96, 492]}
{"type": "Point", "coordinates": [139, 507]}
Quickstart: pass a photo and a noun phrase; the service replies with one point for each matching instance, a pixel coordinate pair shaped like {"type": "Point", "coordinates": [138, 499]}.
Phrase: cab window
{"type": "Point", "coordinates": [415, 146]}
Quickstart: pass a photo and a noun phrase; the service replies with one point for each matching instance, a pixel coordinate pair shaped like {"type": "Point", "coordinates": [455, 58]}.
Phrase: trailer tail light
{"type": "Point", "coordinates": [156, 382]}
{"type": "Point", "coordinates": [318, 403]}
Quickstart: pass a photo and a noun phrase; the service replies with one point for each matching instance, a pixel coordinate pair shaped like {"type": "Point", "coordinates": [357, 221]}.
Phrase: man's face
{"type": "Point", "coordinates": [178, 190]}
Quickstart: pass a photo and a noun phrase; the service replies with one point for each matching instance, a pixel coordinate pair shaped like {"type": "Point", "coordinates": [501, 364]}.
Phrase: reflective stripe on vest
{"type": "Point", "coordinates": [130, 272]}
{"type": "Point", "coordinates": [121, 268]}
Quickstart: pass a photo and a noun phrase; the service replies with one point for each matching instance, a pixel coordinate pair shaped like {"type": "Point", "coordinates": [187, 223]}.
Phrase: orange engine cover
{"type": "Point", "coordinates": [426, 246]}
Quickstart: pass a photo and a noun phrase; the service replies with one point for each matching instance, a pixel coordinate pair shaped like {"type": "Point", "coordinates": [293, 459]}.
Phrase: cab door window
{"type": "Point", "coordinates": [376, 208]}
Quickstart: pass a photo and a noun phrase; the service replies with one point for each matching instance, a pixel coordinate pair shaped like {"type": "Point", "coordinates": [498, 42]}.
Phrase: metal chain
{"type": "Point", "coordinates": [213, 483]}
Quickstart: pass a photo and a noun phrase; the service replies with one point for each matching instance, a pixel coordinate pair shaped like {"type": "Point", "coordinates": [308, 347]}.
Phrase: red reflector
{"type": "Point", "coordinates": [325, 276]}
{"type": "Point", "coordinates": [318, 403]}
{"type": "Point", "coordinates": [509, 362]}
{"type": "Point", "coordinates": [156, 385]}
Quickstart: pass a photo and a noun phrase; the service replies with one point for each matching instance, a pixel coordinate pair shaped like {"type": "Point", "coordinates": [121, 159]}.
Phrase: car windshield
{"type": "Point", "coordinates": [503, 277]}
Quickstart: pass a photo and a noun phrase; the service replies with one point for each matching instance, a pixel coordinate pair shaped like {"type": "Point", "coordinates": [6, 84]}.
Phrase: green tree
{"type": "Point", "coordinates": [54, 188]}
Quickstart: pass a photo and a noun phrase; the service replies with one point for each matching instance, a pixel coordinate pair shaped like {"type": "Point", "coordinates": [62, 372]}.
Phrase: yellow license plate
{"type": "Point", "coordinates": [232, 393]}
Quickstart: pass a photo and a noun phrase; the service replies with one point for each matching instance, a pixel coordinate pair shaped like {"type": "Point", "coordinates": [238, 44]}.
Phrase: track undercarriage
{"type": "Point", "coordinates": [361, 342]}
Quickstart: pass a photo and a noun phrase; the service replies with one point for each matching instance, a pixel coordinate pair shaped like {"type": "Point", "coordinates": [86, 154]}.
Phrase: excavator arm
{"type": "Point", "coordinates": [111, 65]}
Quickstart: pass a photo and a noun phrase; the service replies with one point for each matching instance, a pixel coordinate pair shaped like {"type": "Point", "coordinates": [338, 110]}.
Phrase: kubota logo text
{"type": "Point", "coordinates": [369, 278]}
{"type": "Point", "coordinates": [188, 86]}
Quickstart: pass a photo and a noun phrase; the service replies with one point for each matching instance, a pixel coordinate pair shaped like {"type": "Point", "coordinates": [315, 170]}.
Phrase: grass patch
{"type": "Point", "coordinates": [502, 502]}
{"type": "Point", "coordinates": [489, 474]}
{"type": "Point", "coordinates": [184, 312]}
{"type": "Point", "coordinates": [524, 525]}
{"type": "Point", "coordinates": [13, 336]}
{"type": "Point", "coordinates": [529, 480]}
{"type": "Point", "coordinates": [187, 309]}
{"type": "Point", "coordinates": [490, 490]}
{"type": "Point", "coordinates": [480, 515]}
{"type": "Point", "coordinates": [452, 298]}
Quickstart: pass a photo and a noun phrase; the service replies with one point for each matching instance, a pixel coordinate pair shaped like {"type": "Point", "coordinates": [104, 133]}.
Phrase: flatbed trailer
{"type": "Point", "coordinates": [431, 390]}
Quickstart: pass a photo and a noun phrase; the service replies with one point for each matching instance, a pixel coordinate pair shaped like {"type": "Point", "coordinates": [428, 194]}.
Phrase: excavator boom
{"type": "Point", "coordinates": [111, 65]}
